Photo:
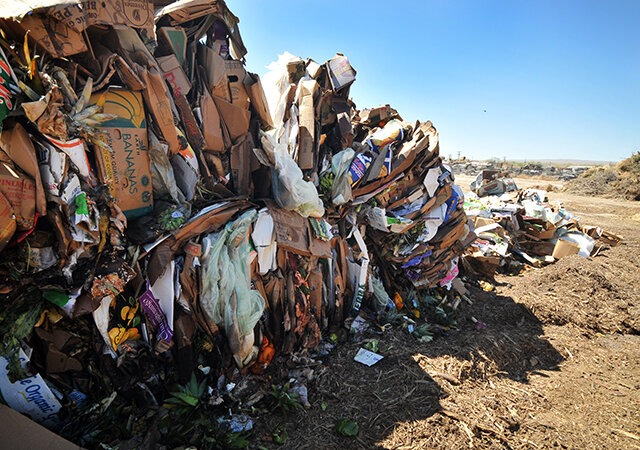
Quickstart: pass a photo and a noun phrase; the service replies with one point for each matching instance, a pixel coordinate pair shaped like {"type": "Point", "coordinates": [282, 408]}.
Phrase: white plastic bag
{"type": "Point", "coordinates": [340, 163]}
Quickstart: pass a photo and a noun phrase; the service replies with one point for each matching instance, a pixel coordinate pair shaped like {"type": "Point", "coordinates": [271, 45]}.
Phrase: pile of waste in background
{"type": "Point", "coordinates": [518, 228]}
{"type": "Point", "coordinates": [621, 180]}
{"type": "Point", "coordinates": [170, 222]}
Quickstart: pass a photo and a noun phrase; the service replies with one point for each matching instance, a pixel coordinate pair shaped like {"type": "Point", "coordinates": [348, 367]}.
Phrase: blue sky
{"type": "Point", "coordinates": [557, 79]}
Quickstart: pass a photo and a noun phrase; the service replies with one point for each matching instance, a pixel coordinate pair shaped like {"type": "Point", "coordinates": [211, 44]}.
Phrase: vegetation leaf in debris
{"type": "Point", "coordinates": [280, 434]}
{"type": "Point", "coordinates": [347, 427]}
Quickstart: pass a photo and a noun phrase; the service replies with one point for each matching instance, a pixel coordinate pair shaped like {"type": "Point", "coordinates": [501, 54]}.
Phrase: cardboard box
{"type": "Point", "coordinates": [49, 34]}
{"type": "Point", "coordinates": [20, 190]}
{"type": "Point", "coordinates": [231, 85]}
{"type": "Point", "coordinates": [258, 99]}
{"type": "Point", "coordinates": [565, 248]}
{"type": "Point", "coordinates": [30, 395]}
{"type": "Point", "coordinates": [185, 168]}
{"type": "Point", "coordinates": [211, 124]}
{"type": "Point", "coordinates": [80, 15]}
{"type": "Point", "coordinates": [235, 118]}
{"type": "Point", "coordinates": [174, 75]}
{"type": "Point", "coordinates": [7, 222]}
{"type": "Point", "coordinates": [17, 144]}
{"type": "Point", "coordinates": [124, 165]}
{"type": "Point", "coordinates": [174, 40]}
{"type": "Point", "coordinates": [307, 121]}
{"type": "Point", "coordinates": [19, 433]}
{"type": "Point", "coordinates": [341, 74]}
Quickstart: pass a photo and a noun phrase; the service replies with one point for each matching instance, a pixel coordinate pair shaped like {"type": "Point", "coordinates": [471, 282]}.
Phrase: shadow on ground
{"type": "Point", "coordinates": [410, 383]}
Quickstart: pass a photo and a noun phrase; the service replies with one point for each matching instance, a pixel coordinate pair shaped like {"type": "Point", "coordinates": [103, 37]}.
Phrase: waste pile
{"type": "Point", "coordinates": [492, 182]}
{"type": "Point", "coordinates": [524, 227]}
{"type": "Point", "coordinates": [171, 222]}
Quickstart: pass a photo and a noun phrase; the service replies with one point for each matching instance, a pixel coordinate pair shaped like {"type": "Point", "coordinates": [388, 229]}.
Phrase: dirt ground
{"type": "Point", "coordinates": [557, 365]}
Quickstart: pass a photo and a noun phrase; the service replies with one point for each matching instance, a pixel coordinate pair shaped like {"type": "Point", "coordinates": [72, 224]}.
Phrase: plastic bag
{"type": "Point", "coordinates": [341, 192]}
{"type": "Point", "coordinates": [290, 190]}
{"type": "Point", "coordinates": [163, 179]}
{"type": "Point", "coordinates": [227, 298]}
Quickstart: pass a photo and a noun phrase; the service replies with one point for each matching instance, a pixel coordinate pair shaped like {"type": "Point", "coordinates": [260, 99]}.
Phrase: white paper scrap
{"type": "Point", "coordinates": [367, 358]}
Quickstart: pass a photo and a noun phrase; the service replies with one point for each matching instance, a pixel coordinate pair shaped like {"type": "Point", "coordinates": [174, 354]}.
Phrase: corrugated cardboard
{"type": "Point", "coordinates": [258, 99]}
{"type": "Point", "coordinates": [49, 34]}
{"type": "Point", "coordinates": [294, 234]}
{"type": "Point", "coordinates": [132, 13]}
{"type": "Point", "coordinates": [7, 222]}
{"type": "Point", "coordinates": [235, 118]}
{"type": "Point", "coordinates": [19, 433]}
{"type": "Point", "coordinates": [211, 125]}
{"type": "Point", "coordinates": [241, 164]}
{"type": "Point", "coordinates": [341, 74]}
{"type": "Point", "coordinates": [174, 75]}
{"type": "Point", "coordinates": [16, 143]}
{"type": "Point", "coordinates": [125, 168]}
{"type": "Point", "coordinates": [307, 121]}
{"type": "Point", "coordinates": [20, 190]}
{"type": "Point", "coordinates": [173, 39]}
{"type": "Point", "coordinates": [231, 85]}
{"type": "Point", "coordinates": [565, 248]}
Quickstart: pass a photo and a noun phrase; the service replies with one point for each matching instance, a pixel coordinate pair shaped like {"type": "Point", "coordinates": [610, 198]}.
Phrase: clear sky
{"type": "Point", "coordinates": [515, 79]}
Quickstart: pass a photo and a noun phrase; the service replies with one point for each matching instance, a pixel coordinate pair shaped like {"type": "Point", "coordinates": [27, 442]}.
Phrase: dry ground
{"type": "Point", "coordinates": [558, 364]}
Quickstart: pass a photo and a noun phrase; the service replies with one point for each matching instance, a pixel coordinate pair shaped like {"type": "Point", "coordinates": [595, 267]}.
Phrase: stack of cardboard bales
{"type": "Point", "coordinates": [163, 209]}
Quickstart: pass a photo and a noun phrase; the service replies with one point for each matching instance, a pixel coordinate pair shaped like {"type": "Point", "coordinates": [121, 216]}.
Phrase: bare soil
{"type": "Point", "coordinates": [557, 365]}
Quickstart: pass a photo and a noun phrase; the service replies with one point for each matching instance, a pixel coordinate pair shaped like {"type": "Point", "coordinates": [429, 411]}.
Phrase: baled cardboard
{"type": "Point", "coordinates": [235, 118]}
{"type": "Point", "coordinates": [174, 75]}
{"type": "Point", "coordinates": [257, 97]}
{"type": "Point", "coordinates": [7, 222]}
{"type": "Point", "coordinates": [341, 74]}
{"type": "Point", "coordinates": [307, 123]}
{"type": "Point", "coordinates": [124, 164]}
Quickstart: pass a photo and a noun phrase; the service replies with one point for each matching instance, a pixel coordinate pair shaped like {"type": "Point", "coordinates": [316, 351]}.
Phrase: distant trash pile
{"type": "Point", "coordinates": [164, 212]}
{"type": "Point", "coordinates": [522, 227]}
